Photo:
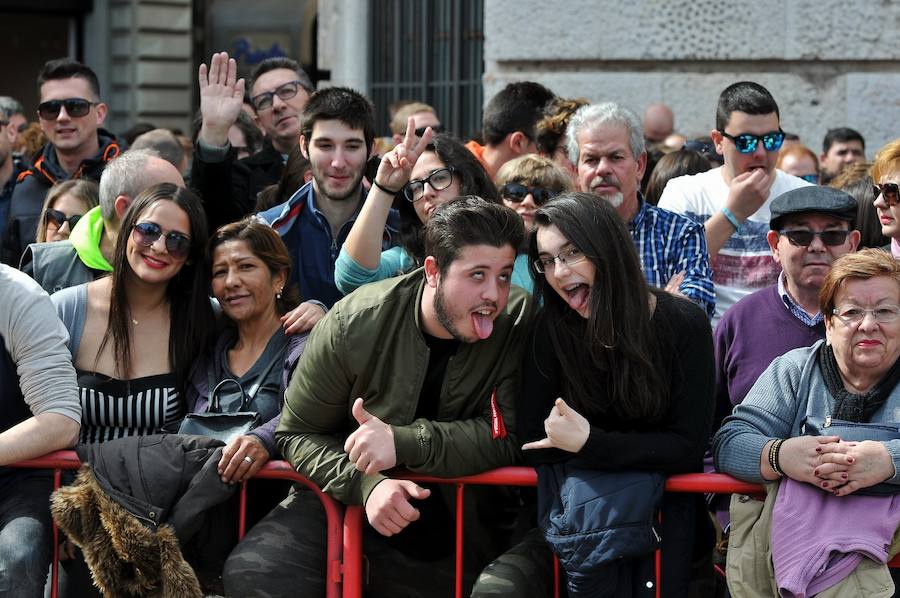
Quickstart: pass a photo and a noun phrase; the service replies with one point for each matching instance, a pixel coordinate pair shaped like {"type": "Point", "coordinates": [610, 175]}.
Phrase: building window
{"type": "Point", "coordinates": [430, 51]}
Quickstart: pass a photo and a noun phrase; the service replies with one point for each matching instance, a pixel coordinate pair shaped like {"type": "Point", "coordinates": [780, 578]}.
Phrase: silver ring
{"type": "Point", "coordinates": [248, 459]}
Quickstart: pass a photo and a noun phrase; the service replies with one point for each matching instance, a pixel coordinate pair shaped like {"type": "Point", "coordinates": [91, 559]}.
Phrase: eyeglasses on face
{"type": "Point", "coordinates": [516, 193]}
{"type": "Point", "coordinates": [746, 143]}
{"type": "Point", "coordinates": [75, 108]}
{"type": "Point", "coordinates": [854, 315]}
{"type": "Point", "coordinates": [285, 91]}
{"type": "Point", "coordinates": [889, 191]}
{"type": "Point", "coordinates": [438, 179]}
{"type": "Point", "coordinates": [434, 129]}
{"type": "Point", "coordinates": [567, 257]}
{"type": "Point", "coordinates": [58, 218]}
{"type": "Point", "coordinates": [146, 234]}
{"type": "Point", "coordinates": [803, 238]}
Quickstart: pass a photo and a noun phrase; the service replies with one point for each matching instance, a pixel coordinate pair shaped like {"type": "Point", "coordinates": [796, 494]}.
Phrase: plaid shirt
{"type": "Point", "coordinates": [669, 243]}
{"type": "Point", "coordinates": [794, 307]}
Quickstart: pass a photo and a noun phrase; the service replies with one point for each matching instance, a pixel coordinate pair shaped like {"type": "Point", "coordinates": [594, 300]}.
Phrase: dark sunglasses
{"type": "Point", "coordinates": [889, 191]}
{"type": "Point", "coordinates": [746, 143]}
{"type": "Point", "coordinates": [434, 129]}
{"type": "Point", "coordinates": [517, 193]}
{"type": "Point", "coordinates": [284, 91]}
{"type": "Point", "coordinates": [59, 218]}
{"type": "Point", "coordinates": [803, 238]}
{"type": "Point", "coordinates": [75, 107]}
{"type": "Point", "coordinates": [439, 179]}
{"type": "Point", "coordinates": [146, 233]}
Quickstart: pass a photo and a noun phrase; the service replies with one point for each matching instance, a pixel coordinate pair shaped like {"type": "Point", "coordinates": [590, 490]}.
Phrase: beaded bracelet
{"type": "Point", "coordinates": [774, 453]}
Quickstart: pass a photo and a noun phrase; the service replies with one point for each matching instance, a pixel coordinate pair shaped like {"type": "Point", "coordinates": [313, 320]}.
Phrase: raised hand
{"type": "Point", "coordinates": [302, 318]}
{"type": "Point", "coordinates": [221, 98]}
{"type": "Point", "coordinates": [566, 429]}
{"type": "Point", "coordinates": [748, 191]}
{"type": "Point", "coordinates": [388, 507]}
{"type": "Point", "coordinates": [371, 446]}
{"type": "Point", "coordinates": [396, 165]}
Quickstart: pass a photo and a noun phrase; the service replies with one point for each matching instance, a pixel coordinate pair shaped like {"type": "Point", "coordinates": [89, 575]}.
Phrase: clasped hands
{"type": "Point", "coordinates": [371, 448]}
{"type": "Point", "coordinates": [836, 466]}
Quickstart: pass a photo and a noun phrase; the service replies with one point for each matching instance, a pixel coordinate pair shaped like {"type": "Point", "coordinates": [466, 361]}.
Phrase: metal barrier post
{"type": "Point", "coordinates": [353, 577]}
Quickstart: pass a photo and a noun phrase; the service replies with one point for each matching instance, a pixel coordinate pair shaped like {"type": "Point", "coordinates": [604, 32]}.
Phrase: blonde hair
{"type": "Point", "coordinates": [887, 160]}
{"type": "Point", "coordinates": [85, 191]}
{"type": "Point", "coordinates": [401, 117]}
{"type": "Point", "coordinates": [534, 170]}
{"type": "Point", "coordinates": [862, 265]}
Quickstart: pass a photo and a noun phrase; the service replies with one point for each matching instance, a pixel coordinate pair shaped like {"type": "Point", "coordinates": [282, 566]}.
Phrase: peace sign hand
{"type": "Point", "coordinates": [396, 165]}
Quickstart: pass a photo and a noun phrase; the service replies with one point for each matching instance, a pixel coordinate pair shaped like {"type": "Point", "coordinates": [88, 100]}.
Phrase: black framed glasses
{"type": "Point", "coordinates": [285, 91]}
{"type": "Point", "coordinates": [803, 238]}
{"type": "Point", "coordinates": [59, 218]}
{"type": "Point", "coordinates": [75, 107]}
{"type": "Point", "coordinates": [146, 233]}
{"type": "Point", "coordinates": [434, 129]}
{"type": "Point", "coordinates": [567, 257]}
{"type": "Point", "coordinates": [516, 193]}
{"type": "Point", "coordinates": [438, 179]}
{"type": "Point", "coordinates": [746, 143]}
{"type": "Point", "coordinates": [889, 191]}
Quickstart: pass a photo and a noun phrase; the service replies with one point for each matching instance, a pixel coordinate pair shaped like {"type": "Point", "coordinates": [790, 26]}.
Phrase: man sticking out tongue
{"type": "Point", "coordinates": [419, 372]}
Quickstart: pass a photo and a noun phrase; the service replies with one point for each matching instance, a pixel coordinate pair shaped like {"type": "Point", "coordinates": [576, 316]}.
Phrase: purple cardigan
{"type": "Point", "coordinates": [198, 390]}
{"type": "Point", "coordinates": [818, 539]}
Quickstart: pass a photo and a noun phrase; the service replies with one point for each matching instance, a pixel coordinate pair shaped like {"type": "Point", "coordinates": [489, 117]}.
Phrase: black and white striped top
{"type": "Point", "coordinates": [112, 408]}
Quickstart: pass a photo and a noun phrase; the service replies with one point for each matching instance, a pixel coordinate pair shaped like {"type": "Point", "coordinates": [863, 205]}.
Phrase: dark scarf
{"type": "Point", "coordinates": [847, 405]}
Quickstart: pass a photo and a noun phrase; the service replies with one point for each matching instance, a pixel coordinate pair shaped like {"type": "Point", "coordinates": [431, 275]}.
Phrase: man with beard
{"type": "Point", "coordinates": [419, 371]}
{"type": "Point", "coordinates": [336, 138]}
{"type": "Point", "coordinates": [606, 144]}
{"type": "Point", "coordinates": [732, 201]}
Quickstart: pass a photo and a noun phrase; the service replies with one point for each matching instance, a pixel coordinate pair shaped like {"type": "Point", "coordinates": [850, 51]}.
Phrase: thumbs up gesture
{"type": "Point", "coordinates": [566, 429]}
{"type": "Point", "coordinates": [371, 446]}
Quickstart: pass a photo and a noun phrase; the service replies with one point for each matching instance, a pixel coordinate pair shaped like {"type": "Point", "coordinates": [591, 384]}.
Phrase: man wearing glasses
{"type": "Point", "coordinates": [733, 201]}
{"type": "Point", "coordinates": [279, 91]}
{"type": "Point", "coordinates": [71, 115]}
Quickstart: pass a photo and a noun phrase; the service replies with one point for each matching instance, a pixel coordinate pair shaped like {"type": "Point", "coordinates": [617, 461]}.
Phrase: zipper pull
{"type": "Point", "coordinates": [827, 421]}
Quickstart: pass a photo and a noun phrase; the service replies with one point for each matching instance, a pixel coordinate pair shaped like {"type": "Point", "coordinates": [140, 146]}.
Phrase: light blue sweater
{"type": "Point", "coordinates": [791, 388]}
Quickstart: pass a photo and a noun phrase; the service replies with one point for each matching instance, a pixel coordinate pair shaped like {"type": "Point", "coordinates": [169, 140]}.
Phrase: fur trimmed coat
{"type": "Point", "coordinates": [134, 504]}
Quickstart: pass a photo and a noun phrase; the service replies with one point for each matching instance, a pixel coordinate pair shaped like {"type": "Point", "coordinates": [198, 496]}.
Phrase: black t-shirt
{"type": "Point", "coordinates": [431, 537]}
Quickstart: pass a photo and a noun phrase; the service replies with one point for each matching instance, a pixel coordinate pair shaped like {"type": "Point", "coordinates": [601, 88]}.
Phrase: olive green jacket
{"type": "Point", "coordinates": [370, 345]}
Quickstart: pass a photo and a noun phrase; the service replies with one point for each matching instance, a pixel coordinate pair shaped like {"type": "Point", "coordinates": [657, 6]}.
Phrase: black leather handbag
{"type": "Point", "coordinates": [855, 432]}
{"type": "Point", "coordinates": [231, 424]}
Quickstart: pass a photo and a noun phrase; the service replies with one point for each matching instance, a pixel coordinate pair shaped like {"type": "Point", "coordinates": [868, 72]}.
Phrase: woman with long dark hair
{"type": "Point", "coordinates": [421, 174]}
{"type": "Point", "coordinates": [134, 335]}
{"type": "Point", "coordinates": [619, 378]}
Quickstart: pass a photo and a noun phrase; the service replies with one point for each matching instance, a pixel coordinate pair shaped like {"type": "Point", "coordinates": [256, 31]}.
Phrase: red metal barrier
{"type": "Point", "coordinates": [345, 573]}
{"type": "Point", "coordinates": [521, 476]}
{"type": "Point", "coordinates": [281, 470]}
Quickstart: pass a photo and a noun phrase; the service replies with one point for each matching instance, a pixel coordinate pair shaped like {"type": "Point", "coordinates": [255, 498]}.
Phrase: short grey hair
{"type": "Point", "coordinates": [123, 175]}
{"type": "Point", "coordinates": [593, 115]}
{"type": "Point", "coordinates": [165, 143]}
{"type": "Point", "coordinates": [9, 106]}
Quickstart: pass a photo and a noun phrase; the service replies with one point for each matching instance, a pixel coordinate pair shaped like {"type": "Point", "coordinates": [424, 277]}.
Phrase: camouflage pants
{"type": "Point", "coordinates": [524, 570]}
{"type": "Point", "coordinates": [285, 555]}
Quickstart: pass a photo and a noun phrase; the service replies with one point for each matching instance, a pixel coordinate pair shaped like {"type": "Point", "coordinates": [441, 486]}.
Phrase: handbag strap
{"type": "Point", "coordinates": [246, 397]}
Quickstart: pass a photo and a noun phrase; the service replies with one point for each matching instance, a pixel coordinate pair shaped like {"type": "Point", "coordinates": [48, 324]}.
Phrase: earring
{"type": "Point", "coordinates": [278, 294]}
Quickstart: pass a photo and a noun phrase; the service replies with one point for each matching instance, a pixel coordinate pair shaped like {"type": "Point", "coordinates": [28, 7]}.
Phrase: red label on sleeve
{"type": "Point", "coordinates": [498, 428]}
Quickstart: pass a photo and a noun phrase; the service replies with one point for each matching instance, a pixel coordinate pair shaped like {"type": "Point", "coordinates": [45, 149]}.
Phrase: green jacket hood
{"type": "Point", "coordinates": [86, 238]}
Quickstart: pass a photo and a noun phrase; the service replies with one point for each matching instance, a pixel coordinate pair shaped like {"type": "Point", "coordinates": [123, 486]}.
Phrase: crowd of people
{"type": "Point", "coordinates": [578, 289]}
